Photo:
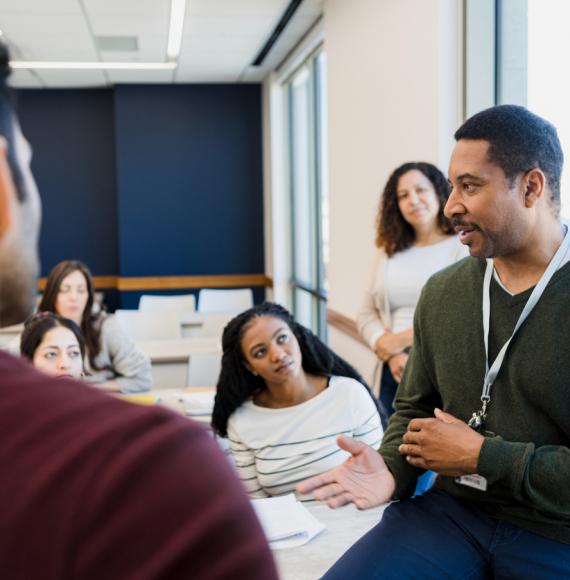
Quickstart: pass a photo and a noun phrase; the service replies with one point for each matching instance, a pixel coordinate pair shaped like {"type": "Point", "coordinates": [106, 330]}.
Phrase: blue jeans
{"type": "Point", "coordinates": [435, 536]}
{"type": "Point", "coordinates": [388, 387]}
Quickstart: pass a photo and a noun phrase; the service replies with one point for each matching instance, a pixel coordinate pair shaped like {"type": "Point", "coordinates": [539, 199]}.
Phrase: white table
{"type": "Point", "coordinates": [177, 349]}
{"type": "Point", "coordinates": [170, 398]}
{"type": "Point", "coordinates": [344, 526]}
{"type": "Point", "coordinates": [191, 323]}
{"type": "Point", "coordinates": [169, 357]}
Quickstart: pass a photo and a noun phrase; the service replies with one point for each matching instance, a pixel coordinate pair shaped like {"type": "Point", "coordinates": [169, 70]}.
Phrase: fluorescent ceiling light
{"type": "Point", "coordinates": [177, 9]}
{"type": "Point", "coordinates": [91, 65]}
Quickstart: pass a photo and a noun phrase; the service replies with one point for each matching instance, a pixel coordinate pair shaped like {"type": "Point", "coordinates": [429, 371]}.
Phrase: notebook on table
{"type": "Point", "coordinates": [287, 523]}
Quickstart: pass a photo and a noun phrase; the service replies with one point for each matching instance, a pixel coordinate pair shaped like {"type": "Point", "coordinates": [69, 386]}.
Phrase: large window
{"type": "Point", "coordinates": [516, 53]}
{"type": "Point", "coordinates": [309, 199]}
{"type": "Point", "coordinates": [548, 83]}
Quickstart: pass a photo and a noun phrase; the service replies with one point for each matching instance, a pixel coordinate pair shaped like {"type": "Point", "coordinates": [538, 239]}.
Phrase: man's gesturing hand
{"type": "Point", "coordinates": [445, 445]}
{"type": "Point", "coordinates": [362, 479]}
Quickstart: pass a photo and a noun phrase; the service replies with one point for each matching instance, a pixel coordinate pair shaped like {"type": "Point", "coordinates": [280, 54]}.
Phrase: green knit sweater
{"type": "Point", "coordinates": [527, 462]}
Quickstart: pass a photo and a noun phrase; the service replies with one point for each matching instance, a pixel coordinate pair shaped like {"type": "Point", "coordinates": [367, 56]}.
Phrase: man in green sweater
{"type": "Point", "coordinates": [485, 398]}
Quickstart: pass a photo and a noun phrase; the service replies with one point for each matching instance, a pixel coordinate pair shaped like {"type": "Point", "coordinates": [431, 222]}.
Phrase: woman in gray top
{"type": "Point", "coordinates": [112, 360]}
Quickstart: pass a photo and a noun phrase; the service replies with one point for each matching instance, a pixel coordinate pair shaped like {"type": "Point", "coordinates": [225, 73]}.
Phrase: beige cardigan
{"type": "Point", "coordinates": [374, 316]}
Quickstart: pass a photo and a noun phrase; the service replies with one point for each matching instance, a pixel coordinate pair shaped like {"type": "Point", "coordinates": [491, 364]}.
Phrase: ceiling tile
{"type": "Point", "coordinates": [24, 79]}
{"type": "Point", "coordinates": [72, 78]}
{"type": "Point", "coordinates": [141, 77]}
{"type": "Point", "coordinates": [221, 37]}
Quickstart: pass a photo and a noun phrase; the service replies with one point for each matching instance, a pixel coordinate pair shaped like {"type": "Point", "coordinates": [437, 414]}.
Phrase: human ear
{"type": "Point", "coordinates": [534, 183]}
{"type": "Point", "coordinates": [7, 191]}
{"type": "Point", "coordinates": [248, 367]}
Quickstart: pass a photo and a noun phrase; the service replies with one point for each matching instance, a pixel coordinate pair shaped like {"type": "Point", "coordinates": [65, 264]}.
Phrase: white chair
{"type": "Point", "coordinates": [214, 324]}
{"type": "Point", "coordinates": [181, 303]}
{"type": "Point", "coordinates": [97, 302]}
{"type": "Point", "coordinates": [149, 325]}
{"type": "Point", "coordinates": [204, 369]}
{"type": "Point", "coordinates": [227, 301]}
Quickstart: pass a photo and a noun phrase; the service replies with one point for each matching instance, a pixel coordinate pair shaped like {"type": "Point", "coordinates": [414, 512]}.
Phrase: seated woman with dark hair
{"type": "Point", "coordinates": [113, 362]}
{"type": "Point", "coordinates": [282, 399]}
{"type": "Point", "coordinates": [54, 345]}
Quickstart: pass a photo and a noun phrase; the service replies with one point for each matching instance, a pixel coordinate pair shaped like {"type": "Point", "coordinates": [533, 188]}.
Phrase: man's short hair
{"type": "Point", "coordinates": [7, 120]}
{"type": "Point", "coordinates": [518, 141]}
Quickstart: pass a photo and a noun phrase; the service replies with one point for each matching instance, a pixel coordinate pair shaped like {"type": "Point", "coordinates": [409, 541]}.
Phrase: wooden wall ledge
{"type": "Point", "coordinates": [345, 325]}
{"type": "Point", "coordinates": [149, 283]}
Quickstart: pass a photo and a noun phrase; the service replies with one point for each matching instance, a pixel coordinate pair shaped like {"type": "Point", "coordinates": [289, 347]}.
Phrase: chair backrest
{"type": "Point", "coordinates": [204, 369]}
{"type": "Point", "coordinates": [149, 325]}
{"type": "Point", "coordinates": [97, 302]}
{"type": "Point", "coordinates": [226, 301]}
{"type": "Point", "coordinates": [181, 303]}
{"type": "Point", "coordinates": [214, 324]}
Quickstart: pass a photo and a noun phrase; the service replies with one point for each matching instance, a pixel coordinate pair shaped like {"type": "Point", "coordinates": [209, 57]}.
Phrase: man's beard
{"type": "Point", "coordinates": [18, 271]}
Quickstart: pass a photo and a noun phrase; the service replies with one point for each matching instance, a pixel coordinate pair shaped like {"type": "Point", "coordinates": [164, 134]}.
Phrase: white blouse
{"type": "Point", "coordinates": [406, 275]}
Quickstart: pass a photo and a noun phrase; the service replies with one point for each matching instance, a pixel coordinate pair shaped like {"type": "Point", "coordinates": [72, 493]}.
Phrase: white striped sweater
{"type": "Point", "coordinates": [274, 449]}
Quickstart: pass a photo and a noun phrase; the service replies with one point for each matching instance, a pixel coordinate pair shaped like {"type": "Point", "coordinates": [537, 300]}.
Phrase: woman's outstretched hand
{"type": "Point", "coordinates": [363, 479]}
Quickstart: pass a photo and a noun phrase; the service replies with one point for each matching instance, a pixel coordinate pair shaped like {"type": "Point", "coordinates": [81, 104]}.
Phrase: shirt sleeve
{"type": "Point", "coordinates": [368, 319]}
{"type": "Point", "coordinates": [244, 461]}
{"type": "Point", "coordinates": [368, 427]}
{"type": "Point", "coordinates": [131, 367]}
{"type": "Point", "coordinates": [535, 475]}
{"type": "Point", "coordinates": [416, 397]}
{"type": "Point", "coordinates": [166, 502]}
{"type": "Point", "coordinates": [13, 346]}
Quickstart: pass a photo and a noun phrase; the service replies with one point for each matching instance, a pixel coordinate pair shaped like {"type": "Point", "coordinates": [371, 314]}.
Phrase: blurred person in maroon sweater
{"type": "Point", "coordinates": [92, 487]}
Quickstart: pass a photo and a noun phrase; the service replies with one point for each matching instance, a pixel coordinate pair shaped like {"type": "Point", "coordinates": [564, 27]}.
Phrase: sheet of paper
{"type": "Point", "coordinates": [198, 403]}
{"type": "Point", "coordinates": [286, 522]}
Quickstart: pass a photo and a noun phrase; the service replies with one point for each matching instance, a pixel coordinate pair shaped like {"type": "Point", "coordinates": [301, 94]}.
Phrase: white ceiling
{"type": "Point", "coordinates": [221, 38]}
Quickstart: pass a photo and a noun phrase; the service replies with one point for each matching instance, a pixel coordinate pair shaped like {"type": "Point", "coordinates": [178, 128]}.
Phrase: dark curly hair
{"type": "Point", "coordinates": [90, 323]}
{"type": "Point", "coordinates": [518, 142]}
{"type": "Point", "coordinates": [393, 232]}
{"type": "Point", "coordinates": [236, 384]}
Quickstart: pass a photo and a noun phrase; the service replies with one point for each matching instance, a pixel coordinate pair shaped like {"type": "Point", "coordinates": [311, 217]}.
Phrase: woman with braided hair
{"type": "Point", "coordinates": [282, 399]}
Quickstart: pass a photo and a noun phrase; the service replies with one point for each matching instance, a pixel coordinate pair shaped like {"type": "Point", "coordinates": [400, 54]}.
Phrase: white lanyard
{"type": "Point", "coordinates": [491, 373]}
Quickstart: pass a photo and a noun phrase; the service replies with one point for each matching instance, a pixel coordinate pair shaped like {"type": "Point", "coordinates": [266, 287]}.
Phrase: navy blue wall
{"type": "Point", "coordinates": [149, 180]}
{"type": "Point", "coordinates": [73, 139]}
{"type": "Point", "coordinates": [189, 166]}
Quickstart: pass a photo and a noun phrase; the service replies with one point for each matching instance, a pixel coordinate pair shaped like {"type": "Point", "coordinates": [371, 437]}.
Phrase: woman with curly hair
{"type": "Point", "coordinates": [282, 399]}
{"type": "Point", "coordinates": [414, 240]}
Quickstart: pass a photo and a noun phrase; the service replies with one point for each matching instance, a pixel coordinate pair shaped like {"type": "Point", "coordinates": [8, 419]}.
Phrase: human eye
{"type": "Point", "coordinates": [82, 290]}
{"type": "Point", "coordinates": [63, 289]}
{"type": "Point", "coordinates": [75, 353]}
{"type": "Point", "coordinates": [402, 195]}
{"type": "Point", "coordinates": [50, 355]}
{"type": "Point", "coordinates": [282, 338]}
{"type": "Point", "coordinates": [468, 187]}
{"type": "Point", "coordinates": [259, 353]}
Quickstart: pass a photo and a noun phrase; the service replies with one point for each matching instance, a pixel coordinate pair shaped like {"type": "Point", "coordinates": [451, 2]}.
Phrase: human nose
{"type": "Point", "coordinates": [453, 205]}
{"type": "Point", "coordinates": [64, 362]}
{"type": "Point", "coordinates": [277, 354]}
{"type": "Point", "coordinates": [413, 198]}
